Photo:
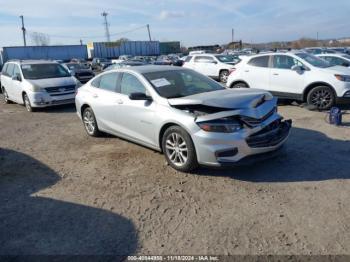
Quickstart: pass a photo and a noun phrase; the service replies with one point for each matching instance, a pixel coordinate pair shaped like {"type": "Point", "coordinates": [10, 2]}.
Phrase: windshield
{"type": "Point", "coordinates": [43, 71]}
{"type": "Point", "coordinates": [181, 83]}
{"type": "Point", "coordinates": [226, 58]}
{"type": "Point", "coordinates": [314, 60]}
{"type": "Point", "coordinates": [75, 66]}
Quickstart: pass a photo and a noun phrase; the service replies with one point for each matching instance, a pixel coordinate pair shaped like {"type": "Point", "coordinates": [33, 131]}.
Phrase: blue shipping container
{"type": "Point", "coordinates": [134, 48]}
{"type": "Point", "coordinates": [64, 52]}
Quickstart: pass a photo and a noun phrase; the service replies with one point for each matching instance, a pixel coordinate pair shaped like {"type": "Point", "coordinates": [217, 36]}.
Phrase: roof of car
{"type": "Point", "coordinates": [26, 62]}
{"type": "Point", "coordinates": [153, 68]}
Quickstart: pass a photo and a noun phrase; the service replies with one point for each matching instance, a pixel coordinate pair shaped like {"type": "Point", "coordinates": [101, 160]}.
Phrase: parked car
{"type": "Point", "coordinates": [163, 60]}
{"type": "Point", "coordinates": [319, 50]}
{"type": "Point", "coordinates": [80, 72]}
{"type": "Point", "coordinates": [100, 63]}
{"type": "Point", "coordinates": [189, 117]}
{"type": "Point", "coordinates": [127, 63]}
{"type": "Point", "coordinates": [294, 75]}
{"type": "Point", "coordinates": [336, 59]}
{"type": "Point", "coordinates": [215, 66]}
{"type": "Point", "coordinates": [37, 83]}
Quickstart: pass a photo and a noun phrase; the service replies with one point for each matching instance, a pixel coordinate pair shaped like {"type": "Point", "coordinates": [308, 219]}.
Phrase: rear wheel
{"type": "Point", "coordinates": [5, 96]}
{"type": "Point", "coordinates": [179, 150]}
{"type": "Point", "coordinates": [321, 97]}
{"type": "Point", "coordinates": [27, 103]}
{"type": "Point", "coordinates": [223, 76]}
{"type": "Point", "coordinates": [240, 85]}
{"type": "Point", "coordinates": [90, 122]}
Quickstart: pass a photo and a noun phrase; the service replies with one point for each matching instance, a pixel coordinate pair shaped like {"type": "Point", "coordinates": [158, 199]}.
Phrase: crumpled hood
{"type": "Point", "coordinates": [52, 82]}
{"type": "Point", "coordinates": [229, 98]}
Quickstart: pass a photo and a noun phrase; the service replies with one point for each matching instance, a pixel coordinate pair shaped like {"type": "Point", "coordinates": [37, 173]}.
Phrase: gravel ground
{"type": "Point", "coordinates": [62, 192]}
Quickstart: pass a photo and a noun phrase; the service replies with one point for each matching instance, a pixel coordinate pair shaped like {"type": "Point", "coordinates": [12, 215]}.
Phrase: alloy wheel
{"type": "Point", "coordinates": [27, 103]}
{"type": "Point", "coordinates": [6, 97]}
{"type": "Point", "coordinates": [322, 98]}
{"type": "Point", "coordinates": [176, 149]}
{"type": "Point", "coordinates": [89, 122]}
{"type": "Point", "coordinates": [224, 76]}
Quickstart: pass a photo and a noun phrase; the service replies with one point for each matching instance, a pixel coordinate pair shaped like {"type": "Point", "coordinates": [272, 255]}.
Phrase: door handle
{"type": "Point", "coordinates": [247, 71]}
{"type": "Point", "coordinates": [120, 102]}
{"type": "Point", "coordinates": [276, 74]}
{"type": "Point", "coordinates": [95, 95]}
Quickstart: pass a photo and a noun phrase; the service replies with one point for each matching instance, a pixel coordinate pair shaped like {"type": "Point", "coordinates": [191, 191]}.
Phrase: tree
{"type": "Point", "coordinates": [40, 39]}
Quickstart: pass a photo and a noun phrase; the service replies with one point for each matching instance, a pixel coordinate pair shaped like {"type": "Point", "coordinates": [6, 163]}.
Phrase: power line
{"type": "Point", "coordinates": [93, 36]}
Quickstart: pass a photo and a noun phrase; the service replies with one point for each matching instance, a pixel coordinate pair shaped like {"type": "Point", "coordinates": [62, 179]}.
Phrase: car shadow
{"type": "Point", "coordinates": [307, 156]}
{"type": "Point", "coordinates": [70, 108]}
{"type": "Point", "coordinates": [36, 225]}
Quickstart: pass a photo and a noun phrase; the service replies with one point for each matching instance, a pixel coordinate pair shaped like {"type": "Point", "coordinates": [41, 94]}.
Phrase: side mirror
{"type": "Point", "coordinates": [139, 96]}
{"type": "Point", "coordinates": [298, 68]}
{"type": "Point", "coordinates": [346, 64]}
{"type": "Point", "coordinates": [17, 77]}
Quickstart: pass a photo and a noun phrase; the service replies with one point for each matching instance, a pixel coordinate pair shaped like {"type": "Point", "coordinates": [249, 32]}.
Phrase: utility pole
{"type": "Point", "coordinates": [233, 34]}
{"type": "Point", "coordinates": [317, 36]}
{"type": "Point", "coordinates": [149, 33]}
{"type": "Point", "coordinates": [108, 37]}
{"type": "Point", "coordinates": [81, 42]}
{"type": "Point", "coordinates": [24, 31]}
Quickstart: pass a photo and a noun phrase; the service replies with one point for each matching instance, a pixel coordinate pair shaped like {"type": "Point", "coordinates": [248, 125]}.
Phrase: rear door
{"type": "Point", "coordinates": [105, 101]}
{"type": "Point", "coordinates": [284, 81]}
{"type": "Point", "coordinates": [257, 72]}
{"type": "Point", "coordinates": [7, 82]}
{"type": "Point", "coordinates": [136, 116]}
{"type": "Point", "coordinates": [205, 65]}
{"type": "Point", "coordinates": [17, 83]}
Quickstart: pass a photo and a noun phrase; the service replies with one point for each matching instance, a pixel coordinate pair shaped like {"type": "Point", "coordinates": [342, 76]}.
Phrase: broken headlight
{"type": "Point", "coordinates": [224, 125]}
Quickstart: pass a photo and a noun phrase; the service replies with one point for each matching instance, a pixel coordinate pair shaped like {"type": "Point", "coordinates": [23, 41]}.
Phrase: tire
{"type": "Point", "coordinates": [27, 103]}
{"type": "Point", "coordinates": [179, 149]}
{"type": "Point", "coordinates": [90, 123]}
{"type": "Point", "coordinates": [240, 85]}
{"type": "Point", "coordinates": [5, 96]}
{"type": "Point", "coordinates": [321, 97]}
{"type": "Point", "coordinates": [223, 76]}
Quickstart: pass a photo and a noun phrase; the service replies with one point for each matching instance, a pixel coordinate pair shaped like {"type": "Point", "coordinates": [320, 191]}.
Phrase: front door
{"type": "Point", "coordinates": [284, 81]}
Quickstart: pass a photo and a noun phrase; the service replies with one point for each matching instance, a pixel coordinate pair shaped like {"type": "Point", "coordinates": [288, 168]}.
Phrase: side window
{"type": "Point", "coordinates": [109, 82]}
{"type": "Point", "coordinates": [203, 59]}
{"type": "Point", "coordinates": [261, 61]}
{"type": "Point", "coordinates": [96, 82]}
{"type": "Point", "coordinates": [285, 62]}
{"type": "Point", "coordinates": [9, 69]}
{"type": "Point", "coordinates": [16, 71]}
{"type": "Point", "coordinates": [130, 84]}
{"type": "Point", "coordinates": [3, 72]}
{"type": "Point", "coordinates": [188, 59]}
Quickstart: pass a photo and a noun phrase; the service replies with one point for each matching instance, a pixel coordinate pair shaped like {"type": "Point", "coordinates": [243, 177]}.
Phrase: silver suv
{"type": "Point", "coordinates": [37, 83]}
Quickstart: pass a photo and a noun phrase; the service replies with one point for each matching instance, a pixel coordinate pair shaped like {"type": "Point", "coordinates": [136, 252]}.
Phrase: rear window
{"type": "Point", "coordinates": [4, 69]}
{"type": "Point", "coordinates": [261, 61]}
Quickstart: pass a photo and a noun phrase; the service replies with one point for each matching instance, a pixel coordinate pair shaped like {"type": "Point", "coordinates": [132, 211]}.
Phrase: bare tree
{"type": "Point", "coordinates": [40, 39]}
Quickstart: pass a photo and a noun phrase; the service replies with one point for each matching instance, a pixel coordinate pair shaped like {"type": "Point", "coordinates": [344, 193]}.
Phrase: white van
{"type": "Point", "coordinates": [37, 83]}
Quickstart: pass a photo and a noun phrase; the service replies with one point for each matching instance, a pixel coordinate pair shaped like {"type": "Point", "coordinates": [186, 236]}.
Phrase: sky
{"type": "Point", "coordinates": [192, 22]}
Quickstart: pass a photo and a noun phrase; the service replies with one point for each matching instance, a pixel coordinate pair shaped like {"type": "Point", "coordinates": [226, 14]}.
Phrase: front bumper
{"type": "Point", "coordinates": [247, 146]}
{"type": "Point", "coordinates": [44, 99]}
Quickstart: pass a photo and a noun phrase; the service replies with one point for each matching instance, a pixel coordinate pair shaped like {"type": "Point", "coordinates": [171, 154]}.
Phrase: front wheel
{"type": "Point", "coordinates": [27, 103]}
{"type": "Point", "coordinates": [240, 85]}
{"type": "Point", "coordinates": [223, 76]}
{"type": "Point", "coordinates": [179, 150]}
{"type": "Point", "coordinates": [322, 97]}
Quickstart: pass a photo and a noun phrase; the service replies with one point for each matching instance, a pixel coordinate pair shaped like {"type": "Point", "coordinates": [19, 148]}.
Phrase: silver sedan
{"type": "Point", "coordinates": [189, 117]}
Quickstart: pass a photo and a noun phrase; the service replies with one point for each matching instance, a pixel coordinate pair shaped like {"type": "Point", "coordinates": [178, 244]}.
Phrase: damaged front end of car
{"type": "Point", "coordinates": [230, 134]}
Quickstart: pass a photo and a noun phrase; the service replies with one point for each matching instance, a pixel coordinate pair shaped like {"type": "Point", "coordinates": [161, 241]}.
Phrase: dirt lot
{"type": "Point", "coordinates": [62, 192]}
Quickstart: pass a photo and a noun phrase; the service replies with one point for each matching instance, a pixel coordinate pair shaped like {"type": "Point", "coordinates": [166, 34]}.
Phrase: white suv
{"type": "Point", "coordinates": [215, 66]}
{"type": "Point", "coordinates": [294, 75]}
{"type": "Point", "coordinates": [37, 83]}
